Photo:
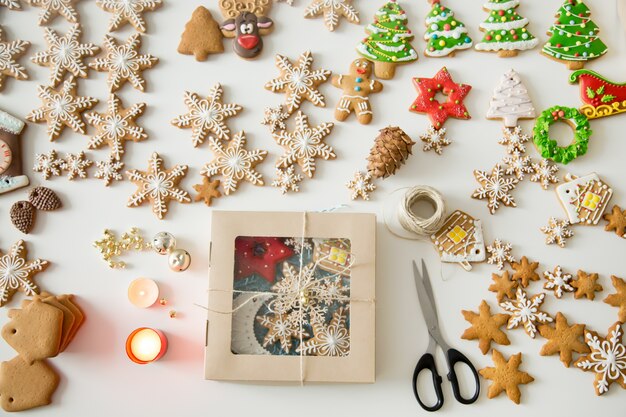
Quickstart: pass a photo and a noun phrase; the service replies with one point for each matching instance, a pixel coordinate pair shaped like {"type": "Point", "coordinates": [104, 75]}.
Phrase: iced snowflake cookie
{"type": "Point", "coordinates": [495, 187]}
{"type": "Point", "coordinates": [435, 139]}
{"type": "Point", "coordinates": [485, 327]}
{"type": "Point", "coordinates": [48, 164]}
{"type": "Point", "coordinates": [9, 53]}
{"type": "Point", "coordinates": [11, 4]}
{"type": "Point", "coordinates": [361, 185]}
{"type": "Point", "coordinates": [124, 63]}
{"type": "Point", "coordinates": [506, 376]}
{"type": "Point", "coordinates": [109, 170]}
{"type": "Point", "coordinates": [61, 108]}
{"type": "Point", "coordinates": [17, 272]}
{"type": "Point", "coordinates": [128, 11]}
{"type": "Point", "coordinates": [619, 298]}
{"type": "Point", "coordinates": [563, 339]}
{"type": "Point", "coordinates": [332, 10]}
{"type": "Point", "coordinates": [558, 281]}
{"type": "Point", "coordinates": [445, 34]}
{"type": "Point", "coordinates": [76, 165]}
{"type": "Point", "coordinates": [557, 231]}
{"type": "Point", "coordinates": [500, 253]}
{"type": "Point", "coordinates": [514, 140]}
{"type": "Point", "coordinates": [299, 82]}
{"type": "Point", "coordinates": [158, 186]}
{"type": "Point", "coordinates": [234, 163]}
{"type": "Point", "coordinates": [511, 102]}
{"type": "Point", "coordinates": [275, 118]}
{"type": "Point", "coordinates": [607, 358]}
{"type": "Point", "coordinates": [517, 165]}
{"type": "Point", "coordinates": [54, 8]}
{"type": "Point", "coordinates": [65, 54]}
{"type": "Point", "coordinates": [117, 126]}
{"type": "Point", "coordinates": [549, 148]}
{"type": "Point", "coordinates": [207, 116]}
{"type": "Point", "coordinates": [526, 311]}
{"type": "Point", "coordinates": [287, 179]}
{"type": "Point", "coordinates": [544, 173]}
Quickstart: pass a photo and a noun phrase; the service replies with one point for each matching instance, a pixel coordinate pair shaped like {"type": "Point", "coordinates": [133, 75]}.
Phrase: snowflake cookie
{"type": "Point", "coordinates": [331, 339]}
{"type": "Point", "coordinates": [234, 163]}
{"type": "Point", "coordinates": [54, 8]}
{"type": "Point", "coordinates": [9, 53]}
{"type": "Point", "coordinates": [206, 117]}
{"type": "Point", "coordinates": [124, 63]}
{"type": "Point", "coordinates": [607, 358]}
{"type": "Point", "coordinates": [65, 54]}
{"type": "Point", "coordinates": [281, 329]}
{"type": "Point", "coordinates": [563, 339]}
{"type": "Point", "coordinates": [517, 165]}
{"type": "Point", "coordinates": [435, 139]}
{"type": "Point", "coordinates": [526, 311]}
{"type": "Point", "coordinates": [61, 108]}
{"type": "Point", "coordinates": [158, 185]}
{"type": "Point", "coordinates": [506, 376]}
{"type": "Point", "coordinates": [332, 10]}
{"type": "Point", "coordinates": [304, 144]}
{"type": "Point", "coordinates": [128, 11]}
{"type": "Point", "coordinates": [207, 191]}
{"type": "Point", "coordinates": [116, 126]}
{"type": "Point", "coordinates": [11, 4]}
{"type": "Point", "coordinates": [299, 82]}
{"type": "Point", "coordinates": [109, 170]}
{"type": "Point", "coordinates": [557, 231]}
{"type": "Point", "coordinates": [275, 118]}
{"type": "Point", "coordinates": [618, 299]}
{"type": "Point", "coordinates": [544, 173]}
{"type": "Point", "coordinates": [16, 272]}
{"type": "Point", "coordinates": [76, 165]}
{"type": "Point", "coordinates": [495, 187]}
{"type": "Point", "coordinates": [500, 252]}
{"type": "Point", "coordinates": [287, 179]}
{"type": "Point", "coordinates": [361, 185]}
{"type": "Point", "coordinates": [514, 140]}
{"type": "Point", "coordinates": [558, 281]}
{"type": "Point", "coordinates": [48, 164]}
{"type": "Point", "coordinates": [485, 327]}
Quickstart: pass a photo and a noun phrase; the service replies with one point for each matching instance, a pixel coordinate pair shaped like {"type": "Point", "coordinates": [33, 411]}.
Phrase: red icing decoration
{"type": "Point", "coordinates": [259, 255]}
{"type": "Point", "coordinates": [248, 41]}
{"type": "Point", "coordinates": [438, 113]}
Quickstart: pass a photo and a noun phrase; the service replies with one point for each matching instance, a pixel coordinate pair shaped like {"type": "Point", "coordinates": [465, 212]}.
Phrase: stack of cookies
{"type": "Point", "coordinates": [41, 329]}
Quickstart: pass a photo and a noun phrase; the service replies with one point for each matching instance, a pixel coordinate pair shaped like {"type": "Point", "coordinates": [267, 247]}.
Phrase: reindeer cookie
{"type": "Point", "coordinates": [356, 86]}
{"type": "Point", "coordinates": [246, 22]}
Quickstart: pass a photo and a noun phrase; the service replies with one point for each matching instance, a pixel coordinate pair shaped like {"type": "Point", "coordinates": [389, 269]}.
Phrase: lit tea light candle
{"type": "Point", "coordinates": [145, 345]}
{"type": "Point", "coordinates": [143, 292]}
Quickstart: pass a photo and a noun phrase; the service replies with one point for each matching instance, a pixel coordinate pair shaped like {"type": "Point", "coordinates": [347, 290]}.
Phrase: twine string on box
{"type": "Point", "coordinates": [301, 288]}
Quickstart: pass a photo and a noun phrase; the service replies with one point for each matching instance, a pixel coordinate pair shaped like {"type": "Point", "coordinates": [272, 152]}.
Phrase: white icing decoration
{"type": "Point", "coordinates": [388, 48]}
{"type": "Point", "coordinates": [398, 36]}
{"type": "Point", "coordinates": [446, 51]}
{"type": "Point", "coordinates": [362, 49]}
{"type": "Point", "coordinates": [475, 250]}
{"type": "Point", "coordinates": [501, 6]}
{"type": "Point", "coordinates": [10, 123]}
{"type": "Point", "coordinates": [509, 46]}
{"type": "Point", "coordinates": [397, 17]}
{"type": "Point", "coordinates": [568, 192]}
{"type": "Point", "coordinates": [456, 33]}
{"type": "Point", "coordinates": [516, 24]}
{"type": "Point", "coordinates": [439, 18]}
{"type": "Point", "coordinates": [375, 29]}
{"type": "Point", "coordinates": [510, 100]}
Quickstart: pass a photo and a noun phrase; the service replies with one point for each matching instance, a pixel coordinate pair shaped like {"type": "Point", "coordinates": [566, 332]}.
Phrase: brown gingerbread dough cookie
{"type": "Point", "coordinates": [503, 286]}
{"type": "Point", "coordinates": [619, 298]}
{"type": "Point", "coordinates": [485, 327]}
{"type": "Point", "coordinates": [357, 85]}
{"type": "Point", "coordinates": [563, 339]}
{"type": "Point", "coordinates": [202, 36]}
{"type": "Point", "coordinates": [525, 271]}
{"type": "Point", "coordinates": [616, 221]}
{"type": "Point", "coordinates": [585, 285]}
{"type": "Point", "coordinates": [24, 386]}
{"type": "Point", "coordinates": [506, 376]}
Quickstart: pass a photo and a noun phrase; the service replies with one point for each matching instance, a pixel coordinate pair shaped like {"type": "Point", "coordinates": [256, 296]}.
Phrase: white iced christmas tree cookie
{"type": "Point", "coordinates": [510, 101]}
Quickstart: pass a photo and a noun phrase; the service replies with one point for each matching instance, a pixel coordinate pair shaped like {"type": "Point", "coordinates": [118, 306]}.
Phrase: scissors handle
{"type": "Point", "coordinates": [453, 357]}
{"type": "Point", "coordinates": [427, 361]}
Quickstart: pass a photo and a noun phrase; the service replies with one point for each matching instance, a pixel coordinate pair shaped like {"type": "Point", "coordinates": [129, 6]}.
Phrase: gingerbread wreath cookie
{"type": "Point", "coordinates": [506, 376]}
{"type": "Point", "coordinates": [158, 186]}
{"type": "Point", "coordinates": [357, 85]}
{"type": "Point", "coordinates": [11, 51]}
{"type": "Point", "coordinates": [332, 10]}
{"type": "Point", "coordinates": [619, 298]}
{"type": "Point", "coordinates": [202, 36]}
{"type": "Point", "coordinates": [17, 272]}
{"type": "Point", "coordinates": [299, 82]}
{"type": "Point", "coordinates": [525, 271]}
{"type": "Point", "coordinates": [616, 221]}
{"type": "Point", "coordinates": [128, 11]}
{"type": "Point", "coordinates": [124, 63]}
{"type": "Point", "coordinates": [503, 286]}
{"type": "Point", "coordinates": [485, 327]}
{"type": "Point", "coordinates": [549, 148]}
{"type": "Point", "coordinates": [563, 339]}
{"type": "Point", "coordinates": [585, 285]}
{"type": "Point", "coordinates": [54, 8]}
{"type": "Point", "coordinates": [61, 108]}
{"type": "Point", "coordinates": [526, 311]}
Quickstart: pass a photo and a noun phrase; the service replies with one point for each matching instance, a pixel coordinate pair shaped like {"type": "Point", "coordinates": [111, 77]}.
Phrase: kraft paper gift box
{"type": "Point", "coordinates": [291, 297]}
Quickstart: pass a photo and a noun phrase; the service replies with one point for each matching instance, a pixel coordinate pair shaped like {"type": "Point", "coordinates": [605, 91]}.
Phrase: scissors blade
{"type": "Point", "coordinates": [426, 302]}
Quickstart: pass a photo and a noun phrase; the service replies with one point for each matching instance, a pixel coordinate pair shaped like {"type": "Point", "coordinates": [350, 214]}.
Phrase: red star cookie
{"type": "Point", "coordinates": [425, 102]}
{"type": "Point", "coordinates": [259, 255]}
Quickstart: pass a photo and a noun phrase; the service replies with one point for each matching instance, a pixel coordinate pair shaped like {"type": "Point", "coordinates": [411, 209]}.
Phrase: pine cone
{"type": "Point", "coordinates": [23, 216]}
{"type": "Point", "coordinates": [44, 198]}
{"type": "Point", "coordinates": [391, 149]}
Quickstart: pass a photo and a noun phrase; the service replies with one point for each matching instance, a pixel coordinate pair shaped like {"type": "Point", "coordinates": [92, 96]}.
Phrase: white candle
{"type": "Point", "coordinates": [145, 345]}
{"type": "Point", "coordinates": [143, 292]}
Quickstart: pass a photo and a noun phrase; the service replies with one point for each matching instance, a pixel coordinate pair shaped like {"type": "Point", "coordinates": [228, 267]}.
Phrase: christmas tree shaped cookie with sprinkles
{"type": "Point", "coordinates": [505, 30]}
{"type": "Point", "coordinates": [574, 36]}
{"type": "Point", "coordinates": [444, 33]}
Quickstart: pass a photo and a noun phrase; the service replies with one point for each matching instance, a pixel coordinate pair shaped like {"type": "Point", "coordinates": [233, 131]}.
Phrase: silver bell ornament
{"type": "Point", "coordinates": [179, 260]}
{"type": "Point", "coordinates": [163, 243]}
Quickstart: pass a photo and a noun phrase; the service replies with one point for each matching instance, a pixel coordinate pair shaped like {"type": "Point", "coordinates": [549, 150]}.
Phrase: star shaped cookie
{"type": "Point", "coordinates": [128, 11]}
{"type": "Point", "coordinates": [124, 63]}
{"type": "Point", "coordinates": [65, 54]}
{"type": "Point", "coordinates": [563, 339]}
{"type": "Point", "coordinates": [17, 272]}
{"type": "Point", "coordinates": [525, 271]}
{"type": "Point", "coordinates": [619, 298]}
{"type": "Point", "coordinates": [503, 286]}
{"type": "Point", "coordinates": [616, 221]}
{"type": "Point", "coordinates": [54, 8]}
{"type": "Point", "coordinates": [158, 186]}
{"type": "Point", "coordinates": [506, 376]}
{"type": "Point", "coordinates": [61, 108]}
{"type": "Point", "coordinates": [526, 311]}
{"type": "Point", "coordinates": [109, 170]}
{"type": "Point", "coordinates": [207, 191]}
{"type": "Point", "coordinates": [332, 10]}
{"type": "Point", "coordinates": [304, 144]}
{"type": "Point", "coordinates": [299, 82]}
{"type": "Point", "coordinates": [427, 89]}
{"type": "Point", "coordinates": [485, 327]}
{"type": "Point", "coordinates": [207, 116]}
{"type": "Point", "coordinates": [116, 126]}
{"type": "Point", "coordinates": [9, 53]}
{"type": "Point", "coordinates": [586, 285]}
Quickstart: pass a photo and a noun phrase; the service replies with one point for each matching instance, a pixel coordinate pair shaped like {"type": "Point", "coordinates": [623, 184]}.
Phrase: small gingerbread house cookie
{"type": "Point", "coordinates": [584, 198]}
{"type": "Point", "coordinates": [460, 240]}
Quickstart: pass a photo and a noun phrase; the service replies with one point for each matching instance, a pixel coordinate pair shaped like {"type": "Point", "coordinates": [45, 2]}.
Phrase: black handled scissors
{"type": "Point", "coordinates": [427, 361]}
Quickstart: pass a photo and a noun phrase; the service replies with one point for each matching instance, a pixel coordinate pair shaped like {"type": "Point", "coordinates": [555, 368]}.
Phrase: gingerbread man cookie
{"type": "Point", "coordinates": [356, 86]}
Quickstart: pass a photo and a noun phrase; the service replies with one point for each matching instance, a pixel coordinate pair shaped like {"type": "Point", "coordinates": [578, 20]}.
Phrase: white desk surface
{"type": "Point", "coordinates": [97, 377]}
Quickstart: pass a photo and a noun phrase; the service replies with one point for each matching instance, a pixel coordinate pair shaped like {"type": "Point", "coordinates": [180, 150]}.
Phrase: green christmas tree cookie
{"type": "Point", "coordinates": [505, 30]}
{"type": "Point", "coordinates": [388, 42]}
{"type": "Point", "coordinates": [574, 36]}
{"type": "Point", "coordinates": [444, 33]}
